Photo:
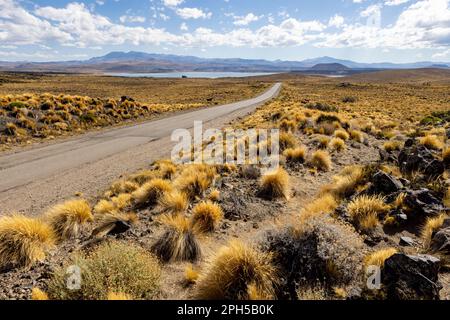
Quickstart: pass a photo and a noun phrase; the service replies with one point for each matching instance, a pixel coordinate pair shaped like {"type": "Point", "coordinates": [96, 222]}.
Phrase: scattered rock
{"type": "Point", "coordinates": [384, 183]}
{"type": "Point", "coordinates": [423, 203]}
{"type": "Point", "coordinates": [414, 157]}
{"type": "Point", "coordinates": [408, 277]}
{"type": "Point", "coordinates": [441, 242]}
{"type": "Point", "coordinates": [407, 242]}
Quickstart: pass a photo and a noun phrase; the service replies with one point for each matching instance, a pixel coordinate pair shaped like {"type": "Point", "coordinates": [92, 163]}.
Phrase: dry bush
{"type": "Point", "coordinates": [365, 210]}
{"type": "Point", "coordinates": [179, 240]}
{"type": "Point", "coordinates": [346, 182]}
{"type": "Point", "coordinates": [190, 275]}
{"type": "Point", "coordinates": [174, 202]}
{"type": "Point", "coordinates": [112, 267]}
{"type": "Point", "coordinates": [297, 155]}
{"type": "Point", "coordinates": [114, 222]}
{"type": "Point", "coordinates": [323, 142]}
{"type": "Point", "coordinates": [38, 295]}
{"type": "Point", "coordinates": [357, 136]}
{"type": "Point", "coordinates": [342, 134]}
{"type": "Point", "coordinates": [149, 193]}
{"type": "Point", "coordinates": [67, 218]}
{"type": "Point", "coordinates": [195, 180]}
{"type": "Point", "coordinates": [337, 144]}
{"type": "Point", "coordinates": [321, 160]}
{"type": "Point", "coordinates": [322, 205]}
{"type": "Point", "coordinates": [432, 142]}
{"type": "Point", "coordinates": [24, 241]}
{"type": "Point", "coordinates": [275, 184]}
{"type": "Point", "coordinates": [206, 216]}
{"type": "Point", "coordinates": [214, 195]}
{"type": "Point", "coordinates": [319, 252]}
{"type": "Point", "coordinates": [378, 257]}
{"type": "Point", "coordinates": [235, 272]}
{"type": "Point", "coordinates": [429, 228]}
{"type": "Point", "coordinates": [123, 186]}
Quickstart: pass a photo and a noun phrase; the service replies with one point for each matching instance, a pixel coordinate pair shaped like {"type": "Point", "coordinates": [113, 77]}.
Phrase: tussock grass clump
{"type": "Point", "coordinates": [114, 222]}
{"type": "Point", "coordinates": [179, 241]}
{"type": "Point", "coordinates": [378, 258]}
{"type": "Point", "coordinates": [392, 145]}
{"type": "Point", "coordinates": [346, 182]}
{"type": "Point", "coordinates": [214, 195]}
{"type": "Point", "coordinates": [357, 136]}
{"type": "Point", "coordinates": [446, 156]}
{"type": "Point", "coordinates": [297, 155]}
{"type": "Point", "coordinates": [430, 227]}
{"type": "Point", "coordinates": [174, 202]}
{"type": "Point", "coordinates": [190, 275]}
{"type": "Point", "coordinates": [206, 216]}
{"type": "Point", "coordinates": [323, 142]}
{"type": "Point", "coordinates": [337, 144]}
{"type": "Point", "coordinates": [24, 241]}
{"type": "Point", "coordinates": [123, 186]}
{"type": "Point", "coordinates": [432, 142]}
{"type": "Point", "coordinates": [236, 272]}
{"type": "Point", "coordinates": [365, 210]}
{"type": "Point", "coordinates": [275, 184]}
{"type": "Point", "coordinates": [112, 267]}
{"type": "Point", "coordinates": [287, 140]}
{"type": "Point", "coordinates": [119, 296]}
{"type": "Point", "coordinates": [342, 134]}
{"type": "Point", "coordinates": [67, 218]}
{"type": "Point", "coordinates": [321, 160]}
{"type": "Point", "coordinates": [38, 295]}
{"type": "Point", "coordinates": [324, 204]}
{"type": "Point", "coordinates": [195, 180]}
{"type": "Point", "coordinates": [151, 192]}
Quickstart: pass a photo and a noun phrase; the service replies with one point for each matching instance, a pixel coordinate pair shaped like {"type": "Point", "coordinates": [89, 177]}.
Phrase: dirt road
{"type": "Point", "coordinates": [37, 178]}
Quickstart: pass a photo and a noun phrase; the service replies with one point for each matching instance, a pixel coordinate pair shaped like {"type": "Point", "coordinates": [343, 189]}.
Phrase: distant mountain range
{"type": "Point", "coordinates": [141, 62]}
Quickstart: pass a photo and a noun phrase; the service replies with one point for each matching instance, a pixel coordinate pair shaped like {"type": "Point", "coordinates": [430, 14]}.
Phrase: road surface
{"type": "Point", "coordinates": [34, 179]}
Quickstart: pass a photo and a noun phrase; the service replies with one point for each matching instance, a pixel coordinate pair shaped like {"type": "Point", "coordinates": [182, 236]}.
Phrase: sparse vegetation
{"type": "Point", "coordinates": [206, 216]}
{"type": "Point", "coordinates": [275, 184]}
{"type": "Point", "coordinates": [321, 160]}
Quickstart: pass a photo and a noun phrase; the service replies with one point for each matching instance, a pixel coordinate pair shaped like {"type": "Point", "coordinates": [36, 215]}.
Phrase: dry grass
{"type": "Point", "coordinates": [179, 241]}
{"type": "Point", "coordinates": [214, 195]}
{"type": "Point", "coordinates": [24, 241]}
{"type": "Point", "coordinates": [365, 210]}
{"type": "Point", "coordinates": [430, 227]}
{"type": "Point", "coordinates": [357, 136]}
{"type": "Point", "coordinates": [342, 134]}
{"type": "Point", "coordinates": [378, 258]}
{"type": "Point", "coordinates": [392, 145]}
{"type": "Point", "coordinates": [109, 222]}
{"type": "Point", "coordinates": [287, 141]}
{"type": "Point", "coordinates": [324, 204]}
{"type": "Point", "coordinates": [191, 275]}
{"type": "Point", "coordinates": [236, 272]}
{"type": "Point", "coordinates": [113, 296]}
{"type": "Point", "coordinates": [432, 142]}
{"type": "Point", "coordinates": [174, 202]}
{"type": "Point", "coordinates": [113, 267]}
{"type": "Point", "coordinates": [195, 180]}
{"type": "Point", "coordinates": [297, 155]}
{"type": "Point", "coordinates": [151, 192]}
{"type": "Point", "coordinates": [321, 160]}
{"type": "Point", "coordinates": [446, 199]}
{"type": "Point", "coordinates": [446, 156]}
{"type": "Point", "coordinates": [206, 216]}
{"type": "Point", "coordinates": [337, 144]}
{"type": "Point", "coordinates": [67, 218]}
{"type": "Point", "coordinates": [38, 295]}
{"type": "Point", "coordinates": [275, 184]}
{"type": "Point", "coordinates": [346, 182]}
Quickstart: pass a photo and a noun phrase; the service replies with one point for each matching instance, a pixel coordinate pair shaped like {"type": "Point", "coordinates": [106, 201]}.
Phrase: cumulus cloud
{"type": "Point", "coordinates": [245, 20]}
{"type": "Point", "coordinates": [336, 21]}
{"type": "Point", "coordinates": [395, 2]}
{"type": "Point", "coordinates": [193, 13]}
{"type": "Point", "coordinates": [135, 19]}
{"type": "Point", "coordinates": [172, 3]}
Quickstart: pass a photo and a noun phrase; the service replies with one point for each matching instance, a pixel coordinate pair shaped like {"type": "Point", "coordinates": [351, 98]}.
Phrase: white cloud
{"type": "Point", "coordinates": [395, 2]}
{"type": "Point", "coordinates": [371, 10]}
{"type": "Point", "coordinates": [442, 55]}
{"type": "Point", "coordinates": [184, 27]}
{"type": "Point", "coordinates": [336, 21]}
{"type": "Point", "coordinates": [245, 20]}
{"type": "Point", "coordinates": [193, 13]}
{"type": "Point", "coordinates": [134, 19]}
{"type": "Point", "coordinates": [172, 3]}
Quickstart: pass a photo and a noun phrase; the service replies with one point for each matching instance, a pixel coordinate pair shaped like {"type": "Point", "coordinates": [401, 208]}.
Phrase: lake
{"type": "Point", "coordinates": [208, 75]}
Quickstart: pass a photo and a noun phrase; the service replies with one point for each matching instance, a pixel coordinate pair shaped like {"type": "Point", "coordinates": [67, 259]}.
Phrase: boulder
{"type": "Point", "coordinates": [441, 242]}
{"type": "Point", "coordinates": [435, 168]}
{"type": "Point", "coordinates": [384, 183]}
{"type": "Point", "coordinates": [408, 277]}
{"type": "Point", "coordinates": [414, 157]}
{"type": "Point", "coordinates": [407, 242]}
{"type": "Point", "coordinates": [423, 203]}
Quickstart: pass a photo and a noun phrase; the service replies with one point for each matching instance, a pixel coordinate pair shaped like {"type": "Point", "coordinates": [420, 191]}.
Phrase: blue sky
{"type": "Point", "coordinates": [361, 30]}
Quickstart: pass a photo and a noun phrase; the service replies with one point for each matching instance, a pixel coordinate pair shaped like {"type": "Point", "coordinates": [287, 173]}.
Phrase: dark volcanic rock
{"type": "Point", "coordinates": [441, 241]}
{"type": "Point", "coordinates": [435, 168]}
{"type": "Point", "coordinates": [414, 157]}
{"type": "Point", "coordinates": [408, 277]}
{"type": "Point", "coordinates": [423, 203]}
{"type": "Point", "coordinates": [384, 183]}
{"type": "Point", "coordinates": [406, 242]}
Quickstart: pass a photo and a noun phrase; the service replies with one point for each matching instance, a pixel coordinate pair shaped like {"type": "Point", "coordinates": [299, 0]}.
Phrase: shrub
{"type": "Point", "coordinates": [179, 240]}
{"type": "Point", "coordinates": [392, 146]}
{"type": "Point", "coordinates": [234, 273]}
{"type": "Point", "coordinates": [275, 184]}
{"type": "Point", "coordinates": [24, 241]}
{"type": "Point", "coordinates": [195, 180]}
{"type": "Point", "coordinates": [295, 155]}
{"type": "Point", "coordinates": [67, 218]}
{"type": "Point", "coordinates": [431, 226]}
{"type": "Point", "coordinates": [287, 140]}
{"type": "Point", "coordinates": [112, 267]}
{"type": "Point", "coordinates": [321, 252]}
{"type": "Point", "coordinates": [346, 182]}
{"type": "Point", "coordinates": [357, 136]}
{"type": "Point", "coordinates": [323, 142]}
{"type": "Point", "coordinates": [328, 118]}
{"type": "Point", "coordinates": [114, 222]}
{"type": "Point", "coordinates": [321, 160]}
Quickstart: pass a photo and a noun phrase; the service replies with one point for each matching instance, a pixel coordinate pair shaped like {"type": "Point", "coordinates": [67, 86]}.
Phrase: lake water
{"type": "Point", "coordinates": [208, 75]}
